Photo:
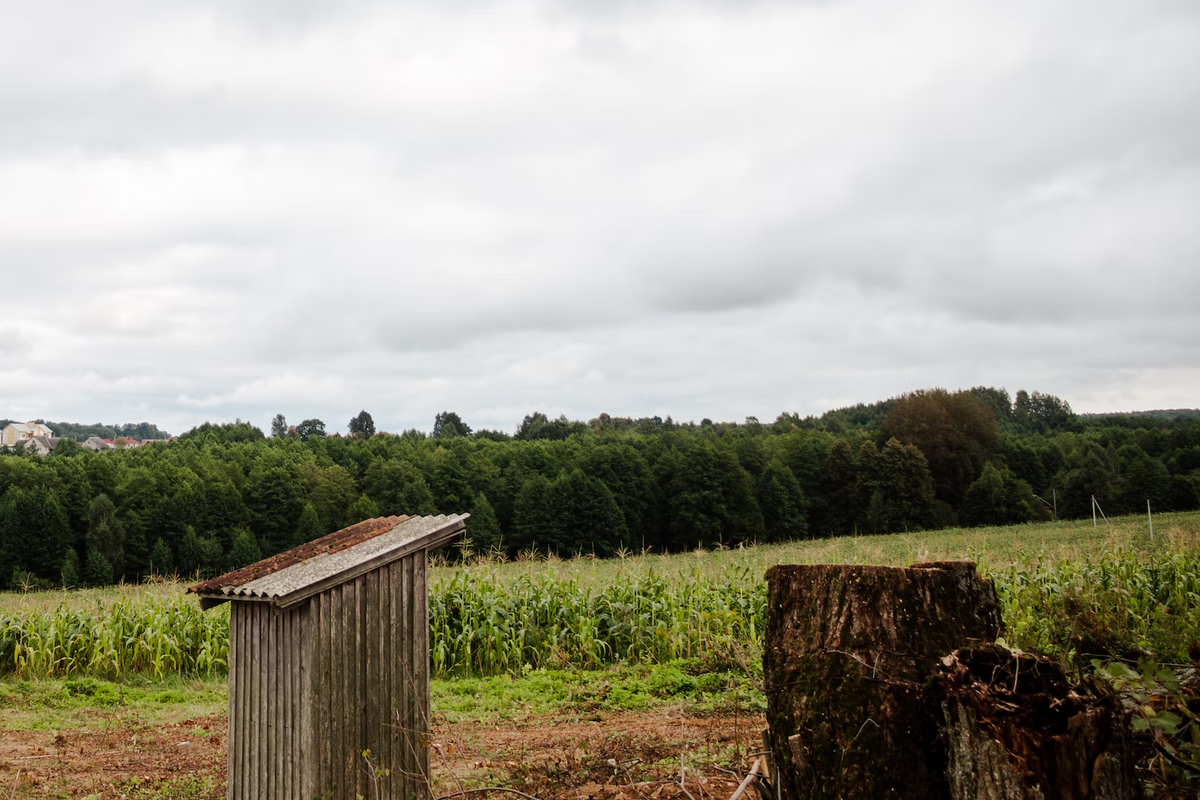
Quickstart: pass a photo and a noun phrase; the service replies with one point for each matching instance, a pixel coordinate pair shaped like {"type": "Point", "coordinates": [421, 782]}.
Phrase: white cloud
{"type": "Point", "coordinates": [697, 209]}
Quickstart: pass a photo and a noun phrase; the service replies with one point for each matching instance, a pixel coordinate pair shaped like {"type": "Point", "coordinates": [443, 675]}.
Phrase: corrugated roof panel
{"type": "Point", "coordinates": [330, 543]}
{"type": "Point", "coordinates": [328, 565]}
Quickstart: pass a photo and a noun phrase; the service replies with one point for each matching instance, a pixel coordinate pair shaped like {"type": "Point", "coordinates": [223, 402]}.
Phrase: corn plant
{"type": "Point", "coordinates": [160, 636]}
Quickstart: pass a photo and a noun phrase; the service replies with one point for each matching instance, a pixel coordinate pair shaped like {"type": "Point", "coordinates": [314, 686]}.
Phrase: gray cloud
{"type": "Point", "coordinates": [713, 209]}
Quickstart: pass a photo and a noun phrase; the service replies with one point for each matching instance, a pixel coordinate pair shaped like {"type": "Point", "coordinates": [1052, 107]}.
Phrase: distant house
{"type": "Point", "coordinates": [96, 443]}
{"type": "Point", "coordinates": [40, 446]}
{"type": "Point", "coordinates": [17, 432]}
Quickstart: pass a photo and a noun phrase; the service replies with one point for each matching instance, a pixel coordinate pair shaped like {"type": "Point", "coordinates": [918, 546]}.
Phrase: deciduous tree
{"type": "Point", "coordinates": [956, 432]}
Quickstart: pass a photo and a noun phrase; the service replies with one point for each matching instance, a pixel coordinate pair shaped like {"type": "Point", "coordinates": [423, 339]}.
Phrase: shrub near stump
{"type": "Point", "coordinates": [848, 657]}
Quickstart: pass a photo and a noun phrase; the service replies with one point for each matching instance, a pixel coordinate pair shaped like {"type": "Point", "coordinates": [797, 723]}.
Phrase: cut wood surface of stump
{"type": "Point", "coordinates": [849, 654]}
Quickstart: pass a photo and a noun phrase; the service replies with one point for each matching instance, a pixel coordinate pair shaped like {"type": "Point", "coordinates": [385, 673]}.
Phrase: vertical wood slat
{"type": "Point", "coordinates": [264, 682]}
{"type": "Point", "coordinates": [420, 638]}
{"type": "Point", "coordinates": [347, 674]}
{"type": "Point", "coordinates": [406, 659]}
{"type": "Point", "coordinates": [250, 706]}
{"type": "Point", "coordinates": [334, 742]}
{"type": "Point", "coordinates": [288, 755]}
{"type": "Point", "coordinates": [352, 710]}
{"type": "Point", "coordinates": [325, 698]}
{"type": "Point", "coordinates": [291, 764]}
{"type": "Point", "coordinates": [371, 659]}
{"type": "Point", "coordinates": [306, 641]}
{"type": "Point", "coordinates": [381, 700]}
{"type": "Point", "coordinates": [247, 685]}
{"type": "Point", "coordinates": [234, 685]}
{"type": "Point", "coordinates": [400, 783]}
{"type": "Point", "coordinates": [360, 675]}
{"type": "Point", "coordinates": [281, 731]}
{"type": "Point", "coordinates": [296, 634]}
{"type": "Point", "coordinates": [274, 707]}
{"type": "Point", "coordinates": [272, 688]}
{"type": "Point", "coordinates": [254, 712]}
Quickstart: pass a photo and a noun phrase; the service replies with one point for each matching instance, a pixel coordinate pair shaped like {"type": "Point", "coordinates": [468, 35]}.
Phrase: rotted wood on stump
{"type": "Point", "coordinates": [1018, 729]}
{"type": "Point", "coordinates": [848, 657]}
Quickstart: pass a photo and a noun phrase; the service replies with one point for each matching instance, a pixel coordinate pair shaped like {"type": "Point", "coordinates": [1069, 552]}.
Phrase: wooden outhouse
{"type": "Point", "coordinates": [329, 664]}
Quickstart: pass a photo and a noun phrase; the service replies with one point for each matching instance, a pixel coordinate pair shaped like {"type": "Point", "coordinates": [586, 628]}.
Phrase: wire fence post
{"type": "Point", "coordinates": [1150, 516]}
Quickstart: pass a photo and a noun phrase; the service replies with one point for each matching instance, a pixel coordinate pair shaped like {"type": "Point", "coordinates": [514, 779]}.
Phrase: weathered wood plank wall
{"type": "Point", "coordinates": [314, 687]}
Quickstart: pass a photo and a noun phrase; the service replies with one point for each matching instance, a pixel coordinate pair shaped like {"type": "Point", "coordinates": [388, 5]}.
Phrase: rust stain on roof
{"type": "Point", "coordinates": [331, 543]}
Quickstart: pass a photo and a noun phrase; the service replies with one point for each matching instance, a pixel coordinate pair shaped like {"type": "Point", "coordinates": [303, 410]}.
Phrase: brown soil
{"type": "Point", "coordinates": [615, 757]}
{"type": "Point", "coordinates": [111, 762]}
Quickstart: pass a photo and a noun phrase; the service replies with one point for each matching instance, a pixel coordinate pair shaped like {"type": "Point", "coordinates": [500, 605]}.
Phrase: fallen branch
{"type": "Point", "coordinates": [749, 780]}
{"type": "Point", "coordinates": [1174, 759]}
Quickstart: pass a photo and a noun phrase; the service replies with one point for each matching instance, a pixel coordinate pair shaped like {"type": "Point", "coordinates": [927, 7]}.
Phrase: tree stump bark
{"type": "Point", "coordinates": [849, 654]}
{"type": "Point", "coordinates": [1017, 729]}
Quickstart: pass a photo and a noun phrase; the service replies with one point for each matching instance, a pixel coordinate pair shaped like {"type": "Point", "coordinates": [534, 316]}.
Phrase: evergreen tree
{"type": "Point", "coordinates": [161, 563]}
{"type": "Point", "coordinates": [840, 497]}
{"type": "Point", "coordinates": [307, 529]}
{"type": "Point", "coordinates": [244, 551]}
{"type": "Point", "coordinates": [198, 555]}
{"type": "Point", "coordinates": [448, 425]}
{"type": "Point", "coordinates": [483, 527]}
{"type": "Point", "coordinates": [362, 426]}
{"type": "Point", "coordinates": [627, 475]}
{"type": "Point", "coordinates": [587, 518]}
{"type": "Point", "coordinates": [997, 498]}
{"type": "Point", "coordinates": [534, 515]}
{"type": "Point", "coordinates": [279, 427]}
{"type": "Point", "coordinates": [97, 569]}
{"type": "Point", "coordinates": [34, 533]}
{"type": "Point", "coordinates": [69, 573]}
{"type": "Point", "coordinates": [711, 500]}
{"type": "Point", "coordinates": [905, 489]}
{"type": "Point", "coordinates": [782, 503]}
{"type": "Point", "coordinates": [105, 533]}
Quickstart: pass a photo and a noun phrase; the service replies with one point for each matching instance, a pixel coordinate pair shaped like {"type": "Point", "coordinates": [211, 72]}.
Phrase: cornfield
{"type": "Point", "coordinates": [484, 625]}
{"type": "Point", "coordinates": [160, 636]}
{"type": "Point", "coordinates": [1117, 604]}
{"type": "Point", "coordinates": [486, 622]}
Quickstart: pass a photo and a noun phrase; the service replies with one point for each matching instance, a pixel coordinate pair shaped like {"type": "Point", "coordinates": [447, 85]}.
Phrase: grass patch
{"type": "Point", "coordinates": [552, 696]}
{"type": "Point", "coordinates": [54, 704]}
{"type": "Point", "coordinates": [189, 788]}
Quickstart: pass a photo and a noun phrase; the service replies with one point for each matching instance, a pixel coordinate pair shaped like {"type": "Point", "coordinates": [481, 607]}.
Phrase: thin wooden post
{"type": "Point", "coordinates": [1094, 524]}
{"type": "Point", "coordinates": [1150, 517]}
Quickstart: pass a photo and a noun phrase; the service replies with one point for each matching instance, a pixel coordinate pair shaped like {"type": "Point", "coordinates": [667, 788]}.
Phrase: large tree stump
{"type": "Point", "coordinates": [1018, 729]}
{"type": "Point", "coordinates": [848, 657]}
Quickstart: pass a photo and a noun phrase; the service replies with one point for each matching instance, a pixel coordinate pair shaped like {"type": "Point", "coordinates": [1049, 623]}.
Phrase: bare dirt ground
{"type": "Point", "coordinates": [114, 761]}
{"type": "Point", "coordinates": [617, 756]}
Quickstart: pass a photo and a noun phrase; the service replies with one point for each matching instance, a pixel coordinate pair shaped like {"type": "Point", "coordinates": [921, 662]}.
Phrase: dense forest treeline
{"type": "Point", "coordinates": [222, 496]}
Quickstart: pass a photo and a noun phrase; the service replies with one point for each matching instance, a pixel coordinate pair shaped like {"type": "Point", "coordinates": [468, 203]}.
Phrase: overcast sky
{"type": "Point", "coordinates": [714, 208]}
